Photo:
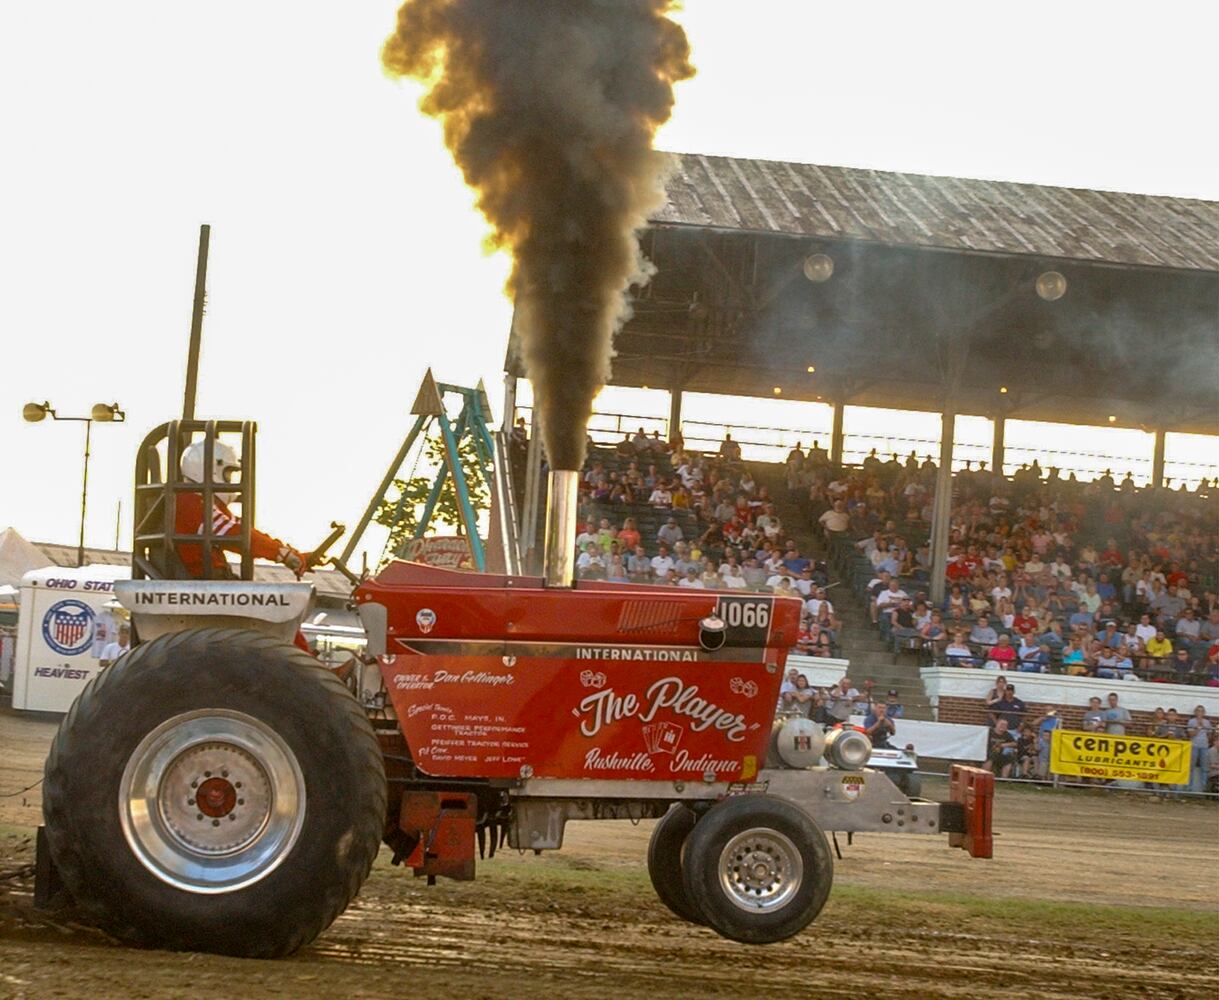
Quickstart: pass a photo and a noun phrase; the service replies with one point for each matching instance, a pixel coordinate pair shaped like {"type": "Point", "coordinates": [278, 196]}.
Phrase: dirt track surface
{"type": "Point", "coordinates": [1089, 895]}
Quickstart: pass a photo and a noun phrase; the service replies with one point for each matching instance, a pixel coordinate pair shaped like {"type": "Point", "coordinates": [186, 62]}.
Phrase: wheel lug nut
{"type": "Point", "coordinates": [194, 784]}
{"type": "Point", "coordinates": [232, 817]}
{"type": "Point", "coordinates": [215, 822]}
{"type": "Point", "coordinates": [207, 774]}
{"type": "Point", "coordinates": [190, 802]}
{"type": "Point", "coordinates": [237, 785]}
{"type": "Point", "coordinates": [198, 815]}
{"type": "Point", "coordinates": [241, 802]}
{"type": "Point", "coordinates": [224, 774]}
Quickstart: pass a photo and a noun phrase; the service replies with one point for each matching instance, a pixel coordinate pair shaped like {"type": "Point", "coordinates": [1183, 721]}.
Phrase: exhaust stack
{"type": "Point", "coordinates": [562, 502]}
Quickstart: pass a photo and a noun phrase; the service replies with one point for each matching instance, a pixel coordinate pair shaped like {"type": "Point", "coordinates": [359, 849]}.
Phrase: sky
{"type": "Point", "coordinates": [346, 255]}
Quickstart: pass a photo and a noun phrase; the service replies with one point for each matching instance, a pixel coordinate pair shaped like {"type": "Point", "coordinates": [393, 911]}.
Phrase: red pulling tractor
{"type": "Point", "coordinates": [218, 789]}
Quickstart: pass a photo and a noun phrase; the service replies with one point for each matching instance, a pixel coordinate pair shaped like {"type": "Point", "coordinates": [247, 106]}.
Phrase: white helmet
{"type": "Point", "coordinates": [225, 464]}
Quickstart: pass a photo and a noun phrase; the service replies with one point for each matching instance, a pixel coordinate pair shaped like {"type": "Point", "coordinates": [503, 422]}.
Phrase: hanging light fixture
{"type": "Point", "coordinates": [818, 267]}
{"type": "Point", "coordinates": [1051, 286]}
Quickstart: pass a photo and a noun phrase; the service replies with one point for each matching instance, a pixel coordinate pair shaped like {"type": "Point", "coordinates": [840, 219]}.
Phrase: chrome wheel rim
{"type": "Point", "coordinates": [212, 801]}
{"type": "Point", "coordinates": [761, 870]}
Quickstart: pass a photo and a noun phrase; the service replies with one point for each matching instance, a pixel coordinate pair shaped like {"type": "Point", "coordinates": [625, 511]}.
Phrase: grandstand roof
{"type": "Point", "coordinates": [932, 298]}
{"type": "Point", "coordinates": [950, 213]}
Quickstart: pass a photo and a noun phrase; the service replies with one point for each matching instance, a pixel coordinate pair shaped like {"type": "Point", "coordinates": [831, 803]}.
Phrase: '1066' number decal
{"type": "Point", "coordinates": [747, 620]}
{"type": "Point", "coordinates": [745, 614]}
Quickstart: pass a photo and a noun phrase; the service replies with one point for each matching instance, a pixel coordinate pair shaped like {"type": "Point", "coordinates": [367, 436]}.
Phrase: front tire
{"type": "Point", "coordinates": [910, 783]}
{"type": "Point", "coordinates": [664, 862]}
{"type": "Point", "coordinates": [215, 790]}
{"type": "Point", "coordinates": [758, 868]}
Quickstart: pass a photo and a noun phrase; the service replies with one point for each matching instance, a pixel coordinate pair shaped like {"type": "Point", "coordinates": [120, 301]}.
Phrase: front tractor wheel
{"type": "Point", "coordinates": [215, 790]}
{"type": "Point", "coordinates": [664, 861]}
{"type": "Point", "coordinates": [758, 868]}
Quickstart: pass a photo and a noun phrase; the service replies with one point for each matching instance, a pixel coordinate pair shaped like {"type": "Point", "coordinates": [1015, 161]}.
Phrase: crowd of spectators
{"type": "Point", "coordinates": [1043, 574]}
{"type": "Point", "coordinates": [656, 513]}
{"type": "Point", "coordinates": [1018, 742]}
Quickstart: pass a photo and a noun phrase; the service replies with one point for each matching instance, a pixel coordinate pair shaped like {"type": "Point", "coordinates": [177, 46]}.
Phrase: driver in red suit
{"type": "Point", "coordinates": [188, 518]}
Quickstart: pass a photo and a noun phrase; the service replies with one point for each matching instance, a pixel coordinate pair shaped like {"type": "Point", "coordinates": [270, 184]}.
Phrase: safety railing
{"type": "Point", "coordinates": [155, 538]}
{"type": "Point", "coordinates": [503, 505]}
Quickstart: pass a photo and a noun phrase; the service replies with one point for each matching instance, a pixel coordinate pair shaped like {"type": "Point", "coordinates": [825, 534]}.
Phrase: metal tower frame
{"type": "Point", "coordinates": [471, 422]}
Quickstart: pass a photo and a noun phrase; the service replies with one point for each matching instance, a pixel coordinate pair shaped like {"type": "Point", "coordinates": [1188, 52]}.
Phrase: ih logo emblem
{"type": "Point", "coordinates": [68, 627]}
{"type": "Point", "coordinates": [425, 618]}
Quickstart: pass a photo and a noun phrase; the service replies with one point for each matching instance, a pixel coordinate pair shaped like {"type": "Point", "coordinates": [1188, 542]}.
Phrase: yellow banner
{"type": "Point", "coordinates": [1137, 758]}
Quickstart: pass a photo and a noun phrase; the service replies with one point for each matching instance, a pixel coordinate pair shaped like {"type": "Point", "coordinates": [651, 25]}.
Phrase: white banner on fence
{"type": "Point", "coordinates": [947, 740]}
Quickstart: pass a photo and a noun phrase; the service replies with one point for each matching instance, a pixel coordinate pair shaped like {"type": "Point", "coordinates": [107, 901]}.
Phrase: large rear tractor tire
{"type": "Point", "coordinates": [215, 790]}
{"type": "Point", "coordinates": [664, 862]}
{"type": "Point", "coordinates": [758, 868]}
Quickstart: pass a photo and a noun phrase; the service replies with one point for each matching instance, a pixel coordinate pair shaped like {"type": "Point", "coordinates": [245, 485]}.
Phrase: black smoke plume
{"type": "Point", "coordinates": [549, 108]}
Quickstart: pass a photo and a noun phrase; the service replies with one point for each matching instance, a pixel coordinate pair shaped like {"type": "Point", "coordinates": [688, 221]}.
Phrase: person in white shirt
{"type": "Point", "coordinates": [1145, 630]}
{"type": "Point", "coordinates": [813, 604]}
{"type": "Point", "coordinates": [661, 497]}
{"type": "Point", "coordinates": [691, 580]}
{"type": "Point", "coordinates": [1060, 570]}
{"type": "Point", "coordinates": [728, 563]}
{"type": "Point", "coordinates": [589, 534]}
{"type": "Point", "coordinates": [734, 579]}
{"type": "Point", "coordinates": [690, 474]}
{"type": "Point", "coordinates": [784, 588]}
{"type": "Point", "coordinates": [662, 562]}
{"type": "Point", "coordinates": [770, 524]}
{"type": "Point", "coordinates": [804, 583]}
{"type": "Point", "coordinates": [781, 579]}
{"type": "Point", "coordinates": [590, 559]}
{"type": "Point", "coordinates": [113, 650]}
{"type": "Point", "coordinates": [889, 598]}
{"type": "Point", "coordinates": [835, 520]}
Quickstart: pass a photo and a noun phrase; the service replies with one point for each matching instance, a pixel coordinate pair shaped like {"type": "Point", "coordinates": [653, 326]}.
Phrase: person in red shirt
{"type": "Point", "coordinates": [188, 519]}
{"type": "Point", "coordinates": [1023, 624]}
{"type": "Point", "coordinates": [1177, 577]}
{"type": "Point", "coordinates": [628, 537]}
{"type": "Point", "coordinates": [1112, 556]}
{"type": "Point", "coordinates": [1003, 653]}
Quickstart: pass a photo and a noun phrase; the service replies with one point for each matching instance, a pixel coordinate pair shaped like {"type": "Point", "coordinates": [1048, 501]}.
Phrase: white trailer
{"type": "Point", "coordinates": [62, 625]}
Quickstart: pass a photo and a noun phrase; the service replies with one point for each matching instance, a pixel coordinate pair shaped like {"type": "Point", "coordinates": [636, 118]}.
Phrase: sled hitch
{"type": "Point", "coordinates": [442, 824]}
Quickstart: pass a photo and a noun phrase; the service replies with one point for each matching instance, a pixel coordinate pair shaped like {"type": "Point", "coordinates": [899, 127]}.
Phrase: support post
{"type": "Point", "coordinates": [196, 324]}
{"type": "Point", "coordinates": [1157, 460]}
{"type": "Point", "coordinates": [509, 403]}
{"type": "Point", "coordinates": [941, 508]}
{"type": "Point", "coordinates": [533, 490]}
{"type": "Point", "coordinates": [462, 489]}
{"type": "Point", "coordinates": [836, 434]}
{"type": "Point", "coordinates": [674, 412]}
{"type": "Point", "coordinates": [84, 496]}
{"type": "Point", "coordinates": [997, 448]}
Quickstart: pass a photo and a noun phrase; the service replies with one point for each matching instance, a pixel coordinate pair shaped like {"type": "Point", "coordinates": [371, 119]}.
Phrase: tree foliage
{"type": "Point", "coordinates": [404, 502]}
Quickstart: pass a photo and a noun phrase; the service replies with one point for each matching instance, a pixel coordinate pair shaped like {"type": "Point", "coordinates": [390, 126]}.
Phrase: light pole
{"type": "Point", "coordinates": [102, 413]}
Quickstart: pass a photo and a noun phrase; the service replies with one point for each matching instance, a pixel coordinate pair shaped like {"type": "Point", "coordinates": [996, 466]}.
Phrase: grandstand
{"type": "Point", "coordinates": [860, 288]}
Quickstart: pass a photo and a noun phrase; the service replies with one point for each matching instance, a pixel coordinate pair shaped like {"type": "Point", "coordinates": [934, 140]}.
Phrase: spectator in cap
{"type": "Point", "coordinates": [670, 532]}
